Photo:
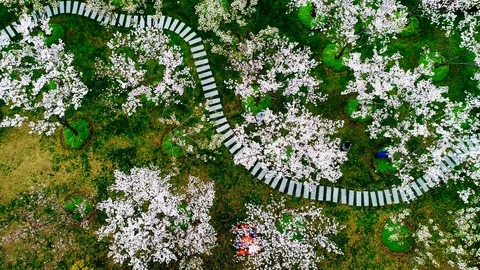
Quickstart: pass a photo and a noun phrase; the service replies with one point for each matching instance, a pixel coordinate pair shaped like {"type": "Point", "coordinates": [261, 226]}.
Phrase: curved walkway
{"type": "Point", "coordinates": [393, 195]}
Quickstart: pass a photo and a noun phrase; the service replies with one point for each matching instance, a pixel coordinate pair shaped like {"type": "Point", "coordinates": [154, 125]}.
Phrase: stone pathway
{"type": "Point", "coordinates": [377, 198]}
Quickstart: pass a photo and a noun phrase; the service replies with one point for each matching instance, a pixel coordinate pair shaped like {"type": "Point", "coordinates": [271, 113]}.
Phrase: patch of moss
{"type": "Point", "coordinates": [170, 148]}
{"type": "Point", "coordinates": [329, 59]}
{"type": "Point", "coordinates": [352, 106]}
{"type": "Point", "coordinates": [384, 166]}
{"type": "Point", "coordinates": [412, 27]}
{"type": "Point", "coordinates": [250, 104]}
{"type": "Point", "coordinates": [57, 34]}
{"type": "Point", "coordinates": [73, 141]}
{"type": "Point", "coordinates": [439, 72]}
{"type": "Point", "coordinates": [397, 237]}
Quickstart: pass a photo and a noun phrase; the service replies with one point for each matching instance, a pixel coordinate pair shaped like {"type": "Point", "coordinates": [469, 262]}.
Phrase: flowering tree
{"type": "Point", "coordinates": [38, 82]}
{"type": "Point", "coordinates": [296, 144]}
{"type": "Point", "coordinates": [129, 6]}
{"type": "Point", "coordinates": [269, 64]}
{"type": "Point", "coordinates": [143, 64]}
{"type": "Point", "coordinates": [289, 238]}
{"type": "Point", "coordinates": [149, 222]}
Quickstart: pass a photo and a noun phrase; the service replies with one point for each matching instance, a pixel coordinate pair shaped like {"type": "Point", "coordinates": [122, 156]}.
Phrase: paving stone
{"type": "Point", "coordinates": [49, 11]}
{"type": "Point", "coordinates": [161, 22]}
{"type": "Point", "coordinates": [227, 134]}
{"type": "Point", "coordinates": [452, 156]}
{"type": "Point", "coordinates": [213, 101]}
{"type": "Point", "coordinates": [313, 192]}
{"type": "Point", "coordinates": [422, 184]}
{"type": "Point", "coordinates": [343, 196]}
{"type": "Point", "coordinates": [275, 181]}
{"type": "Point", "coordinates": [388, 196]}
{"type": "Point", "coordinates": [268, 179]}
{"type": "Point", "coordinates": [100, 16]}
{"type": "Point", "coordinates": [62, 7]}
{"type": "Point", "coordinates": [213, 108]}
{"type": "Point", "coordinates": [180, 28]}
{"type": "Point", "coordinates": [4, 35]}
{"type": "Point", "coordinates": [205, 74]}
{"type": "Point", "coordinates": [262, 174]}
{"type": "Point", "coordinates": [149, 21]}
{"type": "Point", "coordinates": [321, 193]}
{"type": "Point", "coordinates": [291, 186]}
{"type": "Point", "coordinates": [402, 194]}
{"type": "Point", "coordinates": [167, 22]}
{"type": "Point", "coordinates": [174, 25]}
{"type": "Point", "coordinates": [223, 128]}
{"type": "Point", "coordinates": [428, 180]}
{"type": "Point", "coordinates": [409, 192]}
{"type": "Point", "coordinates": [381, 200]}
{"type": "Point", "coordinates": [201, 62]}
{"type": "Point", "coordinates": [256, 168]}
{"type": "Point", "coordinates": [358, 195]}
{"type": "Point", "coordinates": [475, 140]}
{"type": "Point", "coordinates": [211, 94]}
{"type": "Point", "coordinates": [239, 153]}
{"type": "Point", "coordinates": [416, 188]}
{"type": "Point", "coordinates": [142, 22]}
{"type": "Point", "coordinates": [203, 68]}
{"type": "Point", "coordinates": [230, 142]}
{"type": "Point", "coordinates": [199, 54]}
{"type": "Point", "coordinates": [365, 199]}
{"type": "Point", "coordinates": [55, 10]}
{"type": "Point", "coordinates": [298, 189]}
{"type": "Point", "coordinates": [68, 7]}
{"type": "Point", "coordinates": [215, 115]}
{"type": "Point", "coordinates": [185, 32]}
{"type": "Point", "coordinates": [449, 162]}
{"type": "Point", "coordinates": [194, 41]}
{"type": "Point", "coordinates": [197, 48]}
{"type": "Point", "coordinates": [207, 81]}
{"type": "Point", "coordinates": [306, 190]}
{"type": "Point", "coordinates": [395, 195]}
{"type": "Point", "coordinates": [470, 143]}
{"type": "Point", "coordinates": [189, 37]}
{"type": "Point", "coordinates": [121, 20]}
{"type": "Point", "coordinates": [128, 21]}
{"type": "Point", "coordinates": [81, 9]}
{"type": "Point", "coordinates": [234, 148]}
{"type": "Point", "coordinates": [351, 197]}
{"type": "Point", "coordinates": [335, 195]}
{"type": "Point", "coordinates": [374, 198]}
{"type": "Point", "coordinates": [10, 31]}
{"type": "Point", "coordinates": [75, 7]}
{"type": "Point", "coordinates": [328, 196]}
{"type": "Point", "coordinates": [209, 87]}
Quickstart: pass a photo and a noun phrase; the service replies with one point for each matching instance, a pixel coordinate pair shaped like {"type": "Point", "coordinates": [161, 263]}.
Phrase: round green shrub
{"type": "Point", "coordinates": [249, 104]}
{"type": "Point", "coordinates": [57, 33]}
{"type": "Point", "coordinates": [384, 166]}
{"type": "Point", "coordinates": [77, 141]}
{"type": "Point", "coordinates": [73, 207]}
{"type": "Point", "coordinates": [412, 27]}
{"type": "Point", "coordinates": [170, 148]}
{"type": "Point", "coordinates": [329, 60]}
{"type": "Point", "coordinates": [397, 237]}
{"type": "Point", "coordinates": [305, 15]}
{"type": "Point", "coordinates": [440, 72]}
{"type": "Point", "coordinates": [352, 106]}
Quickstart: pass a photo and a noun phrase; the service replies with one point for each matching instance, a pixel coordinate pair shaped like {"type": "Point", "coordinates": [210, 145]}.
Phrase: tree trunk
{"type": "Point", "coordinates": [65, 123]}
{"type": "Point", "coordinates": [340, 54]}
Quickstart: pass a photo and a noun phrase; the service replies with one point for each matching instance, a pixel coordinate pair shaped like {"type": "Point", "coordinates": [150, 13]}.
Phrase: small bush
{"type": "Point", "coordinates": [79, 208]}
{"type": "Point", "coordinates": [352, 106]}
{"type": "Point", "coordinates": [439, 73]}
{"type": "Point", "coordinates": [397, 237]}
{"type": "Point", "coordinates": [76, 142]}
{"type": "Point", "coordinates": [57, 33]}
{"type": "Point", "coordinates": [384, 166]}
{"type": "Point", "coordinates": [170, 148]}
{"type": "Point", "coordinates": [249, 104]}
{"type": "Point", "coordinates": [412, 27]}
{"type": "Point", "coordinates": [329, 60]}
{"type": "Point", "coordinates": [305, 15]}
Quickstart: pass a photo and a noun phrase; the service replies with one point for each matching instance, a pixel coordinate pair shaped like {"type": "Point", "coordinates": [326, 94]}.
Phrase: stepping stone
{"type": "Point", "coordinates": [209, 87]}
{"type": "Point", "coordinates": [49, 11]}
{"type": "Point", "coordinates": [3, 35]}
{"type": "Point", "coordinates": [250, 165]}
{"type": "Point", "coordinates": [215, 115]}
{"type": "Point", "coordinates": [161, 22]}
{"type": "Point", "coordinates": [381, 201]}
{"type": "Point", "coordinates": [403, 195]}
{"type": "Point", "coordinates": [239, 153]}
{"type": "Point", "coordinates": [121, 20]}
{"type": "Point", "coordinates": [344, 196]}
{"type": "Point", "coordinates": [321, 193]}
{"type": "Point", "coordinates": [189, 37]}
{"type": "Point", "coordinates": [203, 68]}
{"type": "Point", "coordinates": [100, 16]}
{"type": "Point", "coordinates": [306, 190]}
{"type": "Point", "coordinates": [149, 21]}
{"type": "Point", "coordinates": [298, 190]}
{"type": "Point", "coordinates": [290, 187]}
{"type": "Point", "coordinates": [359, 198]}
{"type": "Point", "coordinates": [335, 195]}
{"type": "Point", "coordinates": [174, 24]}
{"type": "Point", "coordinates": [167, 22]}
{"type": "Point", "coordinates": [409, 192]}
{"type": "Point", "coordinates": [217, 107]}
{"type": "Point", "coordinates": [62, 7]}
{"type": "Point", "coordinates": [227, 134]}
{"type": "Point", "coordinates": [205, 74]}
{"type": "Point", "coordinates": [328, 197]}
{"type": "Point", "coordinates": [194, 41]}
{"type": "Point", "coordinates": [75, 7]}
{"type": "Point", "coordinates": [284, 185]}
{"type": "Point", "coordinates": [470, 144]}
{"type": "Point", "coordinates": [207, 81]}
{"type": "Point", "coordinates": [351, 195]}
{"type": "Point", "coordinates": [262, 174]}
{"type": "Point", "coordinates": [230, 142]}
{"type": "Point", "coordinates": [443, 167]}
{"type": "Point", "coordinates": [213, 101]}
{"type": "Point", "coordinates": [388, 196]}
{"type": "Point", "coordinates": [128, 21]}
{"type": "Point", "coordinates": [275, 181]}
{"type": "Point", "coordinates": [201, 62]}
{"type": "Point", "coordinates": [223, 128]}
{"type": "Point", "coordinates": [395, 195]}
{"type": "Point", "coordinates": [179, 28]}
{"type": "Point", "coordinates": [416, 188]}
{"type": "Point", "coordinates": [449, 162]}
{"type": "Point", "coordinates": [256, 168]}
{"type": "Point", "coordinates": [16, 27]}
{"type": "Point", "coordinates": [458, 153]}
{"type": "Point", "coordinates": [365, 199]}
{"type": "Point", "coordinates": [93, 15]}
{"type": "Point", "coordinates": [185, 32]}
{"type": "Point", "coordinates": [81, 9]}
{"type": "Point", "coordinates": [142, 22]}
{"type": "Point", "coordinates": [428, 180]}
{"type": "Point", "coordinates": [234, 148]}
{"type": "Point", "coordinates": [313, 192]}
{"type": "Point", "coordinates": [452, 156]}
{"type": "Point", "coordinates": [199, 54]}
{"type": "Point", "coordinates": [374, 198]}
{"type": "Point", "coordinates": [10, 31]}
{"type": "Point", "coordinates": [69, 7]}
{"type": "Point", "coordinates": [197, 48]}
{"type": "Point", "coordinates": [268, 179]}
{"type": "Point", "coordinates": [475, 140]}
{"type": "Point", "coordinates": [422, 184]}
{"type": "Point", "coordinates": [113, 19]}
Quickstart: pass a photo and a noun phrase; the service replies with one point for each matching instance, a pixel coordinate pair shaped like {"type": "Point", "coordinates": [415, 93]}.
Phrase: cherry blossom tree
{"type": "Point", "coordinates": [297, 144]}
{"type": "Point", "coordinates": [150, 222]}
{"type": "Point", "coordinates": [143, 64]}
{"type": "Point", "coordinates": [38, 82]}
{"type": "Point", "coordinates": [290, 238]}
